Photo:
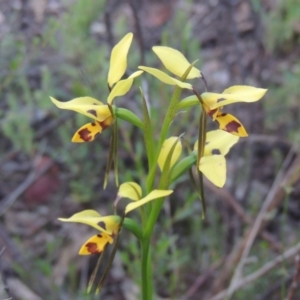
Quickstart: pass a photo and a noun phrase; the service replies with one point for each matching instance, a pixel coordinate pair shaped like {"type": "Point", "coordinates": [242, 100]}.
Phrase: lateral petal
{"type": "Point", "coordinates": [122, 87]}
{"type": "Point", "coordinates": [87, 132]}
{"type": "Point", "coordinates": [214, 169]}
{"type": "Point", "coordinates": [233, 94]}
{"type": "Point", "coordinates": [87, 106]}
{"type": "Point", "coordinates": [107, 224]}
{"type": "Point", "coordinates": [175, 62]}
{"type": "Point", "coordinates": [96, 244]}
{"type": "Point", "coordinates": [130, 190]}
{"type": "Point", "coordinates": [231, 124]}
{"type": "Point", "coordinates": [155, 194]}
{"type": "Point", "coordinates": [165, 78]}
{"type": "Point", "coordinates": [118, 59]}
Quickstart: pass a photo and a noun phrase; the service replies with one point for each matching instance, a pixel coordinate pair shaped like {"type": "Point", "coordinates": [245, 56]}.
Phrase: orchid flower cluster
{"type": "Point", "coordinates": [164, 154]}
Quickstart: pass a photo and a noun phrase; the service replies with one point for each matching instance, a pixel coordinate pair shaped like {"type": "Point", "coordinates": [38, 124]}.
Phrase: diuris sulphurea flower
{"type": "Point", "coordinates": [213, 164]}
{"type": "Point", "coordinates": [109, 226]}
{"type": "Point", "coordinates": [213, 104]}
{"type": "Point", "coordinates": [101, 113]}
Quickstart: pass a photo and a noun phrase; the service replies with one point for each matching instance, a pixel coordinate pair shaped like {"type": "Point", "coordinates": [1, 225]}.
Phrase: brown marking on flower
{"type": "Point", "coordinates": [85, 134]}
{"type": "Point", "coordinates": [99, 235]}
{"type": "Point", "coordinates": [107, 122]}
{"type": "Point", "coordinates": [93, 112]}
{"type": "Point", "coordinates": [233, 126]}
{"type": "Point", "coordinates": [221, 99]}
{"type": "Point", "coordinates": [93, 124]}
{"type": "Point", "coordinates": [102, 224]}
{"type": "Point", "coordinates": [222, 115]}
{"type": "Point", "coordinates": [215, 152]}
{"type": "Point", "coordinates": [212, 112]}
{"type": "Point", "coordinates": [92, 248]}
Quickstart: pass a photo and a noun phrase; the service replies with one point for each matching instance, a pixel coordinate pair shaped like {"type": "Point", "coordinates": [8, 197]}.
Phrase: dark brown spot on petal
{"type": "Point", "coordinates": [85, 134]}
{"type": "Point", "coordinates": [102, 224]}
{"type": "Point", "coordinates": [222, 115]}
{"type": "Point", "coordinates": [232, 126]}
{"type": "Point", "coordinates": [215, 151]}
{"type": "Point", "coordinates": [221, 99]}
{"type": "Point", "coordinates": [93, 124]}
{"type": "Point", "coordinates": [212, 112]}
{"type": "Point", "coordinates": [99, 235]}
{"type": "Point", "coordinates": [92, 248]}
{"type": "Point", "coordinates": [93, 112]}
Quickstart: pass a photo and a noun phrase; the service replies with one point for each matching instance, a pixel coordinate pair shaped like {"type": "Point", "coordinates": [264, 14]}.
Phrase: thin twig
{"type": "Point", "coordinates": [258, 223]}
{"type": "Point", "coordinates": [239, 210]}
{"type": "Point", "coordinates": [296, 280]}
{"type": "Point", "coordinates": [138, 29]}
{"type": "Point", "coordinates": [260, 272]}
{"type": "Point", "coordinates": [4, 279]}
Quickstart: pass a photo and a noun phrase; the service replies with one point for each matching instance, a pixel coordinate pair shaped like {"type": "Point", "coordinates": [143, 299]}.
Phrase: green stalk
{"type": "Point", "coordinates": [146, 270]}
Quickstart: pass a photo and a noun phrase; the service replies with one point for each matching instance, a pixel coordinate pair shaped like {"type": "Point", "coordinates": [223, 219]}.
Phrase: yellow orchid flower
{"type": "Point", "coordinates": [109, 226]}
{"type": "Point", "coordinates": [165, 150]}
{"type": "Point", "coordinates": [213, 163]}
{"type": "Point", "coordinates": [213, 104]}
{"type": "Point", "coordinates": [95, 109]}
{"type": "Point", "coordinates": [175, 62]}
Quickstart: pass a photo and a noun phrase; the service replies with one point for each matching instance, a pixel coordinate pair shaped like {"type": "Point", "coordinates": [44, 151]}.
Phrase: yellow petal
{"type": "Point", "coordinates": [87, 132]}
{"type": "Point", "coordinates": [214, 169]}
{"type": "Point", "coordinates": [175, 61]}
{"type": "Point", "coordinates": [130, 190]}
{"type": "Point", "coordinates": [165, 150]}
{"type": "Point", "coordinates": [153, 195]}
{"type": "Point", "coordinates": [107, 224]}
{"type": "Point", "coordinates": [233, 94]}
{"type": "Point", "coordinates": [87, 106]}
{"type": "Point", "coordinates": [96, 244]}
{"type": "Point", "coordinates": [118, 59]}
{"type": "Point", "coordinates": [218, 142]}
{"type": "Point", "coordinates": [231, 124]}
{"type": "Point", "coordinates": [122, 87]}
{"type": "Point", "coordinates": [165, 78]}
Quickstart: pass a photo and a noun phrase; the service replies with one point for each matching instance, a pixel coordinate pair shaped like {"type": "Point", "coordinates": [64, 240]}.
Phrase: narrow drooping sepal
{"type": "Point", "coordinates": [96, 244]}
{"type": "Point", "coordinates": [118, 59]}
{"type": "Point", "coordinates": [175, 62]}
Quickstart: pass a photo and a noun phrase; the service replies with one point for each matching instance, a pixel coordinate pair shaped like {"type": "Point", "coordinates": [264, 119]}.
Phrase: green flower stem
{"type": "Point", "coordinates": [146, 270]}
{"type": "Point", "coordinates": [172, 109]}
